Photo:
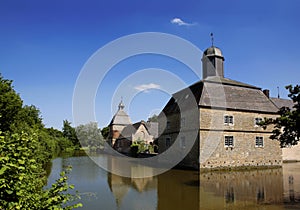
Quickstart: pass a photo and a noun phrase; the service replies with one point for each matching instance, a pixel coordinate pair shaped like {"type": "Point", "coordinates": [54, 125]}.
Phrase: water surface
{"type": "Point", "coordinates": [180, 189]}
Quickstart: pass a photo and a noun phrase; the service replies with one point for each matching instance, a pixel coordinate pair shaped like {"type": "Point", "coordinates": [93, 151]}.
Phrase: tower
{"type": "Point", "coordinates": [212, 62]}
{"type": "Point", "coordinates": [118, 123]}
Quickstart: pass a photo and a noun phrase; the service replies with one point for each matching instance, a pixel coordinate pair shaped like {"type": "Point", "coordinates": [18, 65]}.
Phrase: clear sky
{"type": "Point", "coordinates": [44, 45]}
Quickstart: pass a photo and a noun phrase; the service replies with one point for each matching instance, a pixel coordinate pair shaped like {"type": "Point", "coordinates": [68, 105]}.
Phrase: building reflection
{"type": "Point", "coordinates": [182, 189]}
{"type": "Point", "coordinates": [241, 188]}
{"type": "Point", "coordinates": [291, 183]}
{"type": "Point", "coordinates": [140, 190]}
{"type": "Point", "coordinates": [178, 189]}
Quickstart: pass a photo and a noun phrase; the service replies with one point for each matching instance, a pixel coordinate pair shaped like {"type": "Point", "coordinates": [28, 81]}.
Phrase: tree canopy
{"type": "Point", "coordinates": [287, 125]}
{"type": "Point", "coordinates": [105, 132]}
{"type": "Point", "coordinates": [70, 133]}
{"type": "Point", "coordinates": [90, 135]}
{"type": "Point", "coordinates": [10, 104]}
{"type": "Point", "coordinates": [25, 147]}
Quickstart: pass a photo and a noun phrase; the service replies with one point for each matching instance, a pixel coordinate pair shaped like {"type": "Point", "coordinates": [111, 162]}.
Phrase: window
{"type": "Point", "coordinates": [168, 142]}
{"type": "Point", "coordinates": [257, 121]}
{"type": "Point", "coordinates": [228, 120]}
{"type": "Point", "coordinates": [259, 141]}
{"type": "Point", "coordinates": [228, 141]}
{"type": "Point", "coordinates": [168, 125]}
{"type": "Point", "coordinates": [182, 122]}
{"type": "Point", "coordinates": [182, 142]}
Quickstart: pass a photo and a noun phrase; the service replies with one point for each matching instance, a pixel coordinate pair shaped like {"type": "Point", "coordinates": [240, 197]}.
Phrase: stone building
{"type": "Point", "coordinates": [119, 121]}
{"type": "Point", "coordinates": [227, 115]}
{"type": "Point", "coordinates": [122, 132]}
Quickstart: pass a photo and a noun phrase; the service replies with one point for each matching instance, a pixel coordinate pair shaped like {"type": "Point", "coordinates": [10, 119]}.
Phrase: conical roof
{"type": "Point", "coordinates": [121, 117]}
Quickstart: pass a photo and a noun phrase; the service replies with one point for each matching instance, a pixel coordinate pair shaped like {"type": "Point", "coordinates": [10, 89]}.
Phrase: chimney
{"type": "Point", "coordinates": [267, 92]}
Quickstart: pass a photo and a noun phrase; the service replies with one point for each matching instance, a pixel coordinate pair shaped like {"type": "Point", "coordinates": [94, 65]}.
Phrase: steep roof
{"type": "Point", "coordinates": [280, 102]}
{"type": "Point", "coordinates": [131, 129]}
{"type": "Point", "coordinates": [225, 93]}
{"type": "Point", "coordinates": [120, 118]}
{"type": "Point", "coordinates": [151, 127]}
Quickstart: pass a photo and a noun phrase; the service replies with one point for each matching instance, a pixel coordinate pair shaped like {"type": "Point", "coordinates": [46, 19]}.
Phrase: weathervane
{"type": "Point", "coordinates": [212, 39]}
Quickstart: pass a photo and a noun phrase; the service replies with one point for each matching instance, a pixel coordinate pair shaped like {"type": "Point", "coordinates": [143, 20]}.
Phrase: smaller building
{"type": "Point", "coordinates": [123, 133]}
{"type": "Point", "coordinates": [119, 121]}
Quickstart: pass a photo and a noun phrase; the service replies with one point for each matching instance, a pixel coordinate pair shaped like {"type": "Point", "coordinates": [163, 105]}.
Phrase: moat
{"type": "Point", "coordinates": [180, 189]}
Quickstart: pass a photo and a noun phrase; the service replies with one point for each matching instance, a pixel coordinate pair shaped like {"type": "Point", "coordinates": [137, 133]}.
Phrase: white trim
{"type": "Point", "coordinates": [230, 143]}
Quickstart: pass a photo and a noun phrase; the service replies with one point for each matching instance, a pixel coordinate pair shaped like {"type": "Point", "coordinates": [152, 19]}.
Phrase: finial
{"type": "Point", "coordinates": [278, 92]}
{"type": "Point", "coordinates": [212, 39]}
{"type": "Point", "coordinates": [121, 105]}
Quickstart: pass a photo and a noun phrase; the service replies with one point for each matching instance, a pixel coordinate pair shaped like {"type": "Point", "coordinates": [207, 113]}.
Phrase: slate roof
{"type": "Point", "coordinates": [120, 118]}
{"type": "Point", "coordinates": [280, 102]}
{"type": "Point", "coordinates": [130, 129]}
{"type": "Point", "coordinates": [213, 51]}
{"type": "Point", "coordinates": [221, 92]}
{"type": "Point", "coordinates": [151, 127]}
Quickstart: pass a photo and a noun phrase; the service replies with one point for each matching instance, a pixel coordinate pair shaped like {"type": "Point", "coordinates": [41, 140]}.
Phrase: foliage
{"type": "Point", "coordinates": [70, 133]}
{"type": "Point", "coordinates": [153, 118]}
{"type": "Point", "coordinates": [10, 104]}
{"type": "Point", "coordinates": [287, 125]}
{"type": "Point", "coordinates": [27, 117]}
{"type": "Point", "coordinates": [140, 146]}
{"type": "Point", "coordinates": [90, 135]}
{"type": "Point", "coordinates": [25, 148]}
{"type": "Point", "coordinates": [22, 176]}
{"type": "Point", "coordinates": [105, 132]}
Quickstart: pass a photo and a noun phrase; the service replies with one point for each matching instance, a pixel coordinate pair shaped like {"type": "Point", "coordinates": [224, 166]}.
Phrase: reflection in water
{"type": "Point", "coordinates": [179, 189]}
{"type": "Point", "coordinates": [123, 186]}
{"type": "Point", "coordinates": [291, 183]}
{"type": "Point", "coordinates": [238, 189]}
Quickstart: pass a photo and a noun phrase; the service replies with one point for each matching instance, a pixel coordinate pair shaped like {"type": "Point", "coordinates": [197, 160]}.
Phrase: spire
{"type": "Point", "coordinates": [121, 105]}
{"type": "Point", "coordinates": [212, 39]}
{"type": "Point", "coordinates": [278, 96]}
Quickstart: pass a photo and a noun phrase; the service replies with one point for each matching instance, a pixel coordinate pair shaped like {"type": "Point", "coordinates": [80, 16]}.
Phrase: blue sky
{"type": "Point", "coordinates": [44, 45]}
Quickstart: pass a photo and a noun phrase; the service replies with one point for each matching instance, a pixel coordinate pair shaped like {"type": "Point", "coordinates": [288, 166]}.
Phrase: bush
{"type": "Point", "coordinates": [22, 176]}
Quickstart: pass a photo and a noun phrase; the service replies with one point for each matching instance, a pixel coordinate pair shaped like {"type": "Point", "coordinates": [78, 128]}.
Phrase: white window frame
{"type": "Point", "coordinates": [228, 120]}
{"type": "Point", "coordinates": [229, 141]}
{"type": "Point", "coordinates": [259, 141]}
{"type": "Point", "coordinates": [257, 120]}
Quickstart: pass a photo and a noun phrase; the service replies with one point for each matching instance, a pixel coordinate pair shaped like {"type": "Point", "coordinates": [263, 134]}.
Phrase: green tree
{"type": "Point", "coordinates": [28, 117]}
{"type": "Point", "coordinates": [25, 147]}
{"type": "Point", "coordinates": [287, 125]}
{"type": "Point", "coordinates": [10, 104]}
{"type": "Point", "coordinates": [90, 135]}
{"type": "Point", "coordinates": [70, 133]}
{"type": "Point", "coordinates": [153, 118]}
{"type": "Point", "coordinates": [105, 132]}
